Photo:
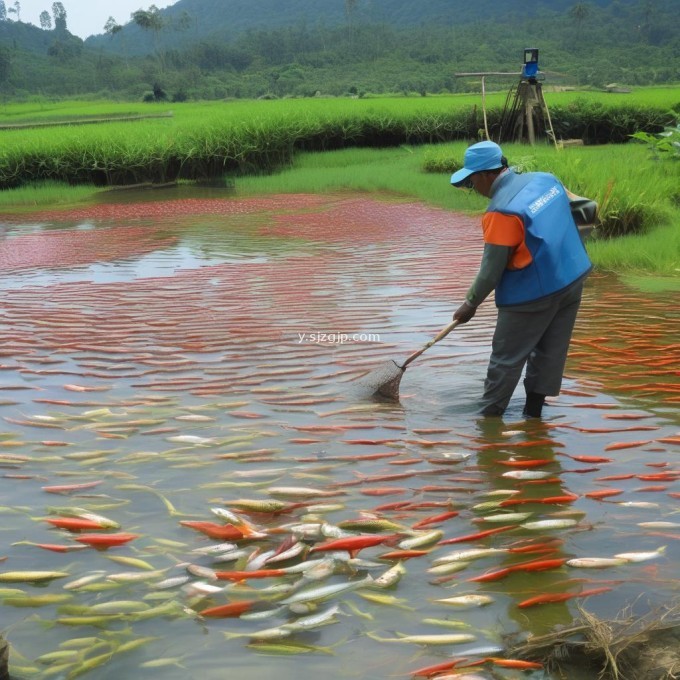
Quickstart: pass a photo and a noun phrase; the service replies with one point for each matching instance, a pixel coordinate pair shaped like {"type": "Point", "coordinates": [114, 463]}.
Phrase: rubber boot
{"type": "Point", "coordinates": [533, 406]}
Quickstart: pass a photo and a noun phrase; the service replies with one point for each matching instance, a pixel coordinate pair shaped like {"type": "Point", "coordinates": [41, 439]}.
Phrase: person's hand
{"type": "Point", "coordinates": [464, 313]}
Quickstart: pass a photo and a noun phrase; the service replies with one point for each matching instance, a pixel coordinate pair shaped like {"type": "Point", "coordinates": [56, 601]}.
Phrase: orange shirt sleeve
{"type": "Point", "coordinates": [507, 230]}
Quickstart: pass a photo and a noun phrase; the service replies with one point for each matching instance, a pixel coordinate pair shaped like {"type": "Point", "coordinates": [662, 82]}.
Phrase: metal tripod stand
{"type": "Point", "coordinates": [525, 115]}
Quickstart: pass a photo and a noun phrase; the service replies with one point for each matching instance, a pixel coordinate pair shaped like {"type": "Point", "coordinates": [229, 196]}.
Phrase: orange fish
{"type": "Point", "coordinates": [616, 446]}
{"type": "Point", "coordinates": [73, 523]}
{"type": "Point", "coordinates": [513, 663]}
{"type": "Point", "coordinates": [603, 493]}
{"type": "Point", "coordinates": [353, 544]}
{"type": "Point", "coordinates": [435, 519]}
{"type": "Point", "coordinates": [477, 536]}
{"type": "Point", "coordinates": [402, 554]}
{"type": "Point", "coordinates": [59, 548]}
{"type": "Point", "coordinates": [223, 532]}
{"type": "Point", "coordinates": [103, 541]}
{"type": "Point", "coordinates": [68, 488]}
{"type": "Point", "coordinates": [226, 610]}
{"type": "Point", "coordinates": [559, 597]}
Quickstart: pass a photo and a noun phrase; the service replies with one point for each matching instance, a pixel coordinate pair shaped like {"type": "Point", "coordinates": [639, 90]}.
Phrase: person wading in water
{"type": "Point", "coordinates": [536, 263]}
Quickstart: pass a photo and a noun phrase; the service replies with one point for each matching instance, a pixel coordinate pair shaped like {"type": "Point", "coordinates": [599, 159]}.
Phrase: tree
{"type": "Point", "coordinates": [579, 13]}
{"type": "Point", "coordinates": [16, 9]}
{"type": "Point", "coordinates": [3, 11]}
{"type": "Point", "coordinates": [5, 65]}
{"type": "Point", "coordinates": [59, 14]}
{"type": "Point", "coordinates": [112, 27]}
{"type": "Point", "coordinates": [151, 20]}
{"type": "Point", "coordinates": [183, 22]}
{"type": "Point", "coordinates": [45, 21]}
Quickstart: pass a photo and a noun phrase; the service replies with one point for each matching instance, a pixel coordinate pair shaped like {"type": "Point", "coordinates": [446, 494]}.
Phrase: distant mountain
{"type": "Point", "coordinates": [189, 21]}
{"type": "Point", "coordinates": [18, 35]}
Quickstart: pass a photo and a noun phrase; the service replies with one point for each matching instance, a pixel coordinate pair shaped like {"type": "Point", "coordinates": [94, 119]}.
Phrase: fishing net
{"type": "Point", "coordinates": [383, 381]}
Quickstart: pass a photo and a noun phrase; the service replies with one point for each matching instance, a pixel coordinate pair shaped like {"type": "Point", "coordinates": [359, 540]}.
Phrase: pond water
{"type": "Point", "coordinates": [162, 360]}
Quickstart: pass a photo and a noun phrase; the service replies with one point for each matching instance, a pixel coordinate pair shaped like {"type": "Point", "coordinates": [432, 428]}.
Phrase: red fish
{"type": "Point", "coordinates": [616, 446]}
{"type": "Point", "coordinates": [226, 610]}
{"type": "Point", "coordinates": [353, 544]}
{"type": "Point", "coordinates": [59, 548]}
{"type": "Point", "coordinates": [73, 523]}
{"type": "Point", "coordinates": [477, 536]}
{"type": "Point", "coordinates": [103, 541]}
{"type": "Point", "coordinates": [559, 597]}
{"type": "Point", "coordinates": [513, 663]}
{"type": "Point", "coordinates": [538, 462]}
{"type": "Point", "coordinates": [428, 671]}
{"type": "Point", "coordinates": [435, 519]}
{"type": "Point", "coordinates": [223, 532]}
{"type": "Point", "coordinates": [603, 493]}
{"type": "Point", "coordinates": [402, 554]}
{"type": "Point", "coordinates": [591, 459]}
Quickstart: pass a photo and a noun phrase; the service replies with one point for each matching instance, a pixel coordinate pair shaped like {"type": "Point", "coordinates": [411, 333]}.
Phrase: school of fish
{"type": "Point", "coordinates": [185, 476]}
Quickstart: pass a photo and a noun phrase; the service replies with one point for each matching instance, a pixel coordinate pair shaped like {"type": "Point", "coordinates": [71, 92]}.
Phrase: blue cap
{"type": "Point", "coordinates": [478, 157]}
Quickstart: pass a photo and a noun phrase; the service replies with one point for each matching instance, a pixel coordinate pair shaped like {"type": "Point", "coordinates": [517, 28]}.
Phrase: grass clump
{"type": "Point", "coordinates": [626, 648]}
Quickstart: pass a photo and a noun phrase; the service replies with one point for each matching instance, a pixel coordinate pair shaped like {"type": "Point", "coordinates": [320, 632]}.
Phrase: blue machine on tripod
{"type": "Point", "coordinates": [530, 67]}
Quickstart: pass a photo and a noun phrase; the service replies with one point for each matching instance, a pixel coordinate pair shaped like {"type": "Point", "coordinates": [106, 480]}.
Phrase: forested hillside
{"type": "Point", "coordinates": [198, 49]}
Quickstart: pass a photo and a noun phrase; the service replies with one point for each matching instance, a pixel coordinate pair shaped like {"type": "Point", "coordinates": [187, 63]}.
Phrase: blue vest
{"type": "Point", "coordinates": [558, 255]}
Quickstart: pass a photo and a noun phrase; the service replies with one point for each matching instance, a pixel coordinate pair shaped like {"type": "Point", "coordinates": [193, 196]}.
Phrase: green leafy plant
{"type": "Point", "coordinates": [664, 144]}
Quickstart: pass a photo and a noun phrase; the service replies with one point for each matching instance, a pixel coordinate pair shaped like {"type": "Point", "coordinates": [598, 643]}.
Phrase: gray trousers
{"type": "Point", "coordinates": [536, 334]}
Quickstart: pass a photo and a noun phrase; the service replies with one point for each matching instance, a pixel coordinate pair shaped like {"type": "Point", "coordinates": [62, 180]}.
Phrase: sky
{"type": "Point", "coordinates": [85, 17]}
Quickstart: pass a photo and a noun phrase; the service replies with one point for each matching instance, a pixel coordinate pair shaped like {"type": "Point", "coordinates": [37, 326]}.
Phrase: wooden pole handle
{"type": "Point", "coordinates": [440, 336]}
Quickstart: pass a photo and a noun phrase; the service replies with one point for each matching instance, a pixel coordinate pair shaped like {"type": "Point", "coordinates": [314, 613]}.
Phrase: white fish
{"type": "Point", "coordinates": [133, 576]}
{"type": "Point", "coordinates": [304, 530]}
{"type": "Point", "coordinates": [421, 539]}
{"type": "Point", "coordinates": [541, 524]}
{"type": "Point", "coordinates": [508, 517]}
{"type": "Point", "coordinates": [526, 474]}
{"type": "Point", "coordinates": [258, 560]}
{"type": "Point", "coordinates": [300, 492]}
{"type": "Point", "coordinates": [202, 572]}
{"type": "Point", "coordinates": [501, 492]}
{"type": "Point", "coordinates": [322, 592]}
{"type": "Point", "coordinates": [465, 555]}
{"type": "Point", "coordinates": [512, 433]}
{"type": "Point", "coordinates": [201, 588]}
{"type": "Point", "coordinates": [314, 620]}
{"type": "Point", "coordinates": [173, 582]}
{"type": "Point", "coordinates": [642, 556]}
{"type": "Point", "coordinates": [215, 549]}
{"type": "Point", "coordinates": [331, 531]}
{"type": "Point", "coordinates": [230, 556]}
{"type": "Point", "coordinates": [639, 504]}
{"type": "Point", "coordinates": [486, 505]}
{"type": "Point", "coordinates": [445, 639]}
{"type": "Point", "coordinates": [448, 568]}
{"type": "Point", "coordinates": [471, 600]}
{"type": "Point", "coordinates": [267, 613]}
{"type": "Point", "coordinates": [659, 525]}
{"type": "Point", "coordinates": [455, 455]}
{"type": "Point", "coordinates": [304, 566]}
{"type": "Point", "coordinates": [293, 551]}
{"type": "Point", "coordinates": [84, 580]}
{"type": "Point", "coordinates": [596, 562]}
{"type": "Point", "coordinates": [191, 439]}
{"type": "Point", "coordinates": [391, 576]}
